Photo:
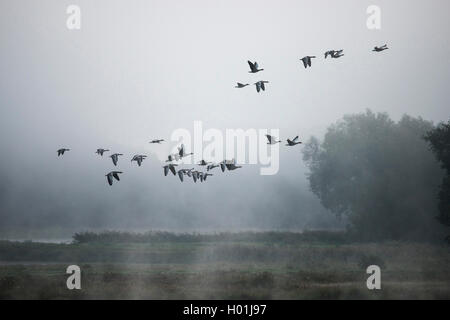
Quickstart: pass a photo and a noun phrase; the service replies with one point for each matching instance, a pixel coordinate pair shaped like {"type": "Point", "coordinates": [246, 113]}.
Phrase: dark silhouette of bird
{"type": "Point", "coordinates": [205, 175]}
{"type": "Point", "coordinates": [101, 151]}
{"type": "Point", "coordinates": [254, 68]}
{"type": "Point", "coordinates": [139, 158]}
{"type": "Point", "coordinates": [61, 151]}
{"type": "Point", "coordinates": [293, 142]}
{"type": "Point", "coordinates": [211, 166]}
{"type": "Point", "coordinates": [260, 85]}
{"type": "Point", "coordinates": [203, 163]}
{"type": "Point", "coordinates": [241, 85]}
{"type": "Point", "coordinates": [112, 174]}
{"type": "Point", "coordinates": [307, 61]}
{"type": "Point", "coordinates": [158, 141]}
{"type": "Point", "coordinates": [115, 157]}
{"type": "Point", "coordinates": [272, 139]}
{"type": "Point", "coordinates": [170, 167]}
{"type": "Point", "coordinates": [334, 53]}
{"type": "Point", "coordinates": [183, 172]}
{"type": "Point", "coordinates": [379, 49]}
{"type": "Point", "coordinates": [182, 153]}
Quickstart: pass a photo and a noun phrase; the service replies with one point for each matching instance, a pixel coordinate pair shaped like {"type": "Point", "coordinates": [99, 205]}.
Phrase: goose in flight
{"type": "Point", "coordinates": [195, 175]}
{"type": "Point", "coordinates": [254, 67]}
{"type": "Point", "coordinates": [379, 49]}
{"type": "Point", "coordinates": [158, 141]}
{"type": "Point", "coordinates": [307, 61]}
{"type": "Point", "coordinates": [232, 166]}
{"type": "Point", "coordinates": [61, 151]}
{"type": "Point", "coordinates": [293, 142]}
{"type": "Point", "coordinates": [205, 175]}
{"type": "Point", "coordinates": [115, 157]}
{"type": "Point", "coordinates": [112, 174]}
{"type": "Point", "coordinates": [211, 166]}
{"type": "Point", "coordinates": [229, 164]}
{"type": "Point", "coordinates": [203, 163]}
{"type": "Point", "coordinates": [101, 151]}
{"type": "Point", "coordinates": [182, 153]}
{"type": "Point", "coordinates": [170, 167]}
{"type": "Point", "coordinates": [334, 53]}
{"type": "Point", "coordinates": [183, 172]}
{"type": "Point", "coordinates": [241, 85]}
{"type": "Point", "coordinates": [139, 158]}
{"type": "Point", "coordinates": [272, 139]}
{"type": "Point", "coordinates": [260, 85]}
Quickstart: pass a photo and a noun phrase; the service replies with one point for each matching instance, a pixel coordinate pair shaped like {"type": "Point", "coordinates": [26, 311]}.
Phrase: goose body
{"type": "Point", "coordinates": [241, 85]}
{"type": "Point", "coordinates": [170, 167]}
{"type": "Point", "coordinates": [293, 142]}
{"type": "Point", "coordinates": [272, 139]}
{"type": "Point", "coordinates": [334, 53]}
{"type": "Point", "coordinates": [195, 175]}
{"type": "Point", "coordinates": [203, 163]}
{"type": "Point", "coordinates": [183, 172]}
{"type": "Point", "coordinates": [182, 153]}
{"type": "Point", "coordinates": [211, 166]}
{"type": "Point", "coordinates": [115, 157]}
{"type": "Point", "coordinates": [205, 175]}
{"type": "Point", "coordinates": [229, 164]}
{"type": "Point", "coordinates": [254, 68]}
{"type": "Point", "coordinates": [379, 49]}
{"type": "Point", "coordinates": [158, 141]}
{"type": "Point", "coordinates": [260, 85]}
{"type": "Point", "coordinates": [307, 61]}
{"type": "Point", "coordinates": [101, 151]}
{"type": "Point", "coordinates": [61, 151]}
{"type": "Point", "coordinates": [111, 175]}
{"type": "Point", "coordinates": [139, 158]}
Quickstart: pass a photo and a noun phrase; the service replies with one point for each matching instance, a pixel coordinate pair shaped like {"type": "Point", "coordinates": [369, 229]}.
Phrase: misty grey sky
{"type": "Point", "coordinates": [138, 70]}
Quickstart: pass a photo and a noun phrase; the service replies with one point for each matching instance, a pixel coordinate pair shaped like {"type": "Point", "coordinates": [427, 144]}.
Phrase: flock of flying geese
{"type": "Point", "coordinates": [170, 167]}
{"type": "Point", "coordinates": [261, 84]}
{"type": "Point", "coordinates": [225, 164]}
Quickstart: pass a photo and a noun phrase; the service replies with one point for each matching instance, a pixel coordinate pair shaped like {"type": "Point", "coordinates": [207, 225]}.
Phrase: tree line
{"type": "Point", "coordinates": [389, 180]}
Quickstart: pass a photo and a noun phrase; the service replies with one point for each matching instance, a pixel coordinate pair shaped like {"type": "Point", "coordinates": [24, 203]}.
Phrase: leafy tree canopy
{"type": "Point", "coordinates": [378, 173]}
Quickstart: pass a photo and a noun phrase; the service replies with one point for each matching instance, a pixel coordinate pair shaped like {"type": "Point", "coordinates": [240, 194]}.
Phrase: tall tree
{"type": "Point", "coordinates": [439, 140]}
{"type": "Point", "coordinates": [377, 173]}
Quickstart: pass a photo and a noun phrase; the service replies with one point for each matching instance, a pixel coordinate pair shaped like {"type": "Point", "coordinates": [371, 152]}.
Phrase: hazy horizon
{"type": "Point", "coordinates": [138, 70]}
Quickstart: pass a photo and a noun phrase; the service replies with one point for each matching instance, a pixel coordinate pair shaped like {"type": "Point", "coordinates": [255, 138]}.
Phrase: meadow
{"type": "Point", "coordinates": [245, 265]}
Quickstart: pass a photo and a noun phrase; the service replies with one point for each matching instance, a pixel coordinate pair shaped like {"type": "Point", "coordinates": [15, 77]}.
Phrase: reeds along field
{"type": "Point", "coordinates": [272, 265]}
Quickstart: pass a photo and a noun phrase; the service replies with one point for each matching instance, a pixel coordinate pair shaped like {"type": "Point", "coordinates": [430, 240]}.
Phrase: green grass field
{"type": "Point", "coordinates": [225, 269]}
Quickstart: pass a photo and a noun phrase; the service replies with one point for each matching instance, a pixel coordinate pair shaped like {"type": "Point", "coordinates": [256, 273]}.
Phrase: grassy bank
{"type": "Point", "coordinates": [258, 266]}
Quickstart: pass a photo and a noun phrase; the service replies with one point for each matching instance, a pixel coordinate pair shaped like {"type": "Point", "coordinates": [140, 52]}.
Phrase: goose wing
{"type": "Point", "coordinates": [166, 170]}
{"type": "Point", "coordinates": [172, 169]}
{"type": "Point", "coordinates": [109, 178]}
{"type": "Point", "coordinates": [270, 138]}
{"type": "Point", "coordinates": [181, 150]}
{"type": "Point", "coordinates": [263, 87]}
{"type": "Point", "coordinates": [180, 175]}
{"type": "Point", "coordinates": [295, 139]}
{"type": "Point", "coordinates": [114, 160]}
{"type": "Point", "coordinates": [258, 86]}
{"type": "Point", "coordinates": [305, 64]}
{"type": "Point", "coordinates": [252, 66]}
{"type": "Point", "coordinates": [115, 174]}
